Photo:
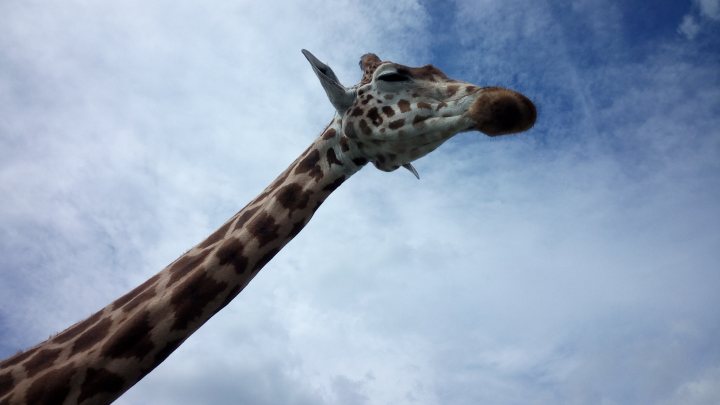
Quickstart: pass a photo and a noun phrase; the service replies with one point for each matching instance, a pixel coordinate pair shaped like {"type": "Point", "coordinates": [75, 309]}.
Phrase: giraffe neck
{"type": "Point", "coordinates": [98, 359]}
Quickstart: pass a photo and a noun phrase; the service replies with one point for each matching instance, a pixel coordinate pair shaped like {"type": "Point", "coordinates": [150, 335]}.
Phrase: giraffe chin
{"type": "Point", "coordinates": [498, 111]}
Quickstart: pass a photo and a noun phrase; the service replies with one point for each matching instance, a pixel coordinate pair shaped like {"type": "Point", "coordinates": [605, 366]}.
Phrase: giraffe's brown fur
{"type": "Point", "coordinates": [96, 360]}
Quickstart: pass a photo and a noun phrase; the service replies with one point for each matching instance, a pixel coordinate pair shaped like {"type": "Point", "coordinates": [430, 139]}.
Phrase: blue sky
{"type": "Point", "coordinates": [574, 263]}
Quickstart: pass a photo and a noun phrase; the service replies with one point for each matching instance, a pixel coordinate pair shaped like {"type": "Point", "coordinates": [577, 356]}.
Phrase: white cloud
{"type": "Point", "coordinates": [704, 390]}
{"type": "Point", "coordinates": [572, 264]}
{"type": "Point", "coordinates": [689, 27]}
{"type": "Point", "coordinates": [709, 8]}
{"type": "Point", "coordinates": [707, 11]}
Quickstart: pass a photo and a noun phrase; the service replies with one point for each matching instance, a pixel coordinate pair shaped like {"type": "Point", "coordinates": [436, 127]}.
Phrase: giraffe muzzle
{"type": "Point", "coordinates": [498, 111]}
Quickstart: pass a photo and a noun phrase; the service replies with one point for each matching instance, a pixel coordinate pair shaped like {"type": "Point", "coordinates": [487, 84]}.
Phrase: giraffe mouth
{"type": "Point", "coordinates": [498, 111]}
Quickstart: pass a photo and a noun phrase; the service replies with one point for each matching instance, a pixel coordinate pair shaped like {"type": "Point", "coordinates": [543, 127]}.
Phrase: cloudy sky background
{"type": "Point", "coordinates": [575, 263]}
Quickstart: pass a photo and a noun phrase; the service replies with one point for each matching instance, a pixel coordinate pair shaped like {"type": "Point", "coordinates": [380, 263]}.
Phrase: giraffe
{"type": "Point", "coordinates": [393, 116]}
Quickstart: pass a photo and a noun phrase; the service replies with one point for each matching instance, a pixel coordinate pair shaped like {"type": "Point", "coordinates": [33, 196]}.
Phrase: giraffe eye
{"type": "Point", "coordinates": [393, 77]}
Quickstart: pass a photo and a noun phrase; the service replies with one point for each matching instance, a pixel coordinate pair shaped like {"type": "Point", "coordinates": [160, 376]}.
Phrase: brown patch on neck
{"type": "Point", "coordinates": [132, 339]}
{"type": "Point", "coordinates": [99, 381]}
{"type": "Point", "coordinates": [40, 361]}
{"type": "Point", "coordinates": [183, 266]}
{"type": "Point", "coordinates": [51, 388]}
{"type": "Point", "coordinates": [292, 197]}
{"type": "Point", "coordinates": [264, 229]}
{"type": "Point", "coordinates": [6, 382]}
{"type": "Point", "coordinates": [247, 213]}
{"type": "Point", "coordinates": [92, 336]}
{"type": "Point", "coordinates": [231, 252]}
{"type": "Point", "coordinates": [309, 164]}
{"type": "Point", "coordinates": [191, 298]}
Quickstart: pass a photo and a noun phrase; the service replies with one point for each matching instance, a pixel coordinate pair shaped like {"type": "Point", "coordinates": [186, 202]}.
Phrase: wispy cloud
{"type": "Point", "coordinates": [703, 12]}
{"type": "Point", "coordinates": [709, 8]}
{"type": "Point", "coordinates": [572, 264]}
{"type": "Point", "coordinates": [689, 27]}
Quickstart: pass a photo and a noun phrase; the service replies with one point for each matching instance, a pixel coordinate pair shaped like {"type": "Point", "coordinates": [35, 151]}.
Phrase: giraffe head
{"type": "Point", "coordinates": [398, 114]}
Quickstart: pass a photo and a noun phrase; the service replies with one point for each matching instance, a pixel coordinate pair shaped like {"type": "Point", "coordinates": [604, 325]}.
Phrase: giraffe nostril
{"type": "Point", "coordinates": [506, 114]}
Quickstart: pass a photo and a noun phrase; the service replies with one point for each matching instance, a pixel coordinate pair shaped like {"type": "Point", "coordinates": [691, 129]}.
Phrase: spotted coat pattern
{"type": "Point", "coordinates": [99, 358]}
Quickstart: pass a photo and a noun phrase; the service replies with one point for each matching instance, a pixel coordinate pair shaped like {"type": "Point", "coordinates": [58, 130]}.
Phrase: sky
{"type": "Point", "coordinates": [575, 263]}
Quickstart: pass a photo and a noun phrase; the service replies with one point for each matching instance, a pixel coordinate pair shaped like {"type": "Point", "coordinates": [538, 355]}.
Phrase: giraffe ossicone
{"type": "Point", "coordinates": [395, 115]}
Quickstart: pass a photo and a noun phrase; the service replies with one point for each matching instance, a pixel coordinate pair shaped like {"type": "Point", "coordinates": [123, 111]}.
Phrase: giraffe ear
{"type": "Point", "coordinates": [340, 96]}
